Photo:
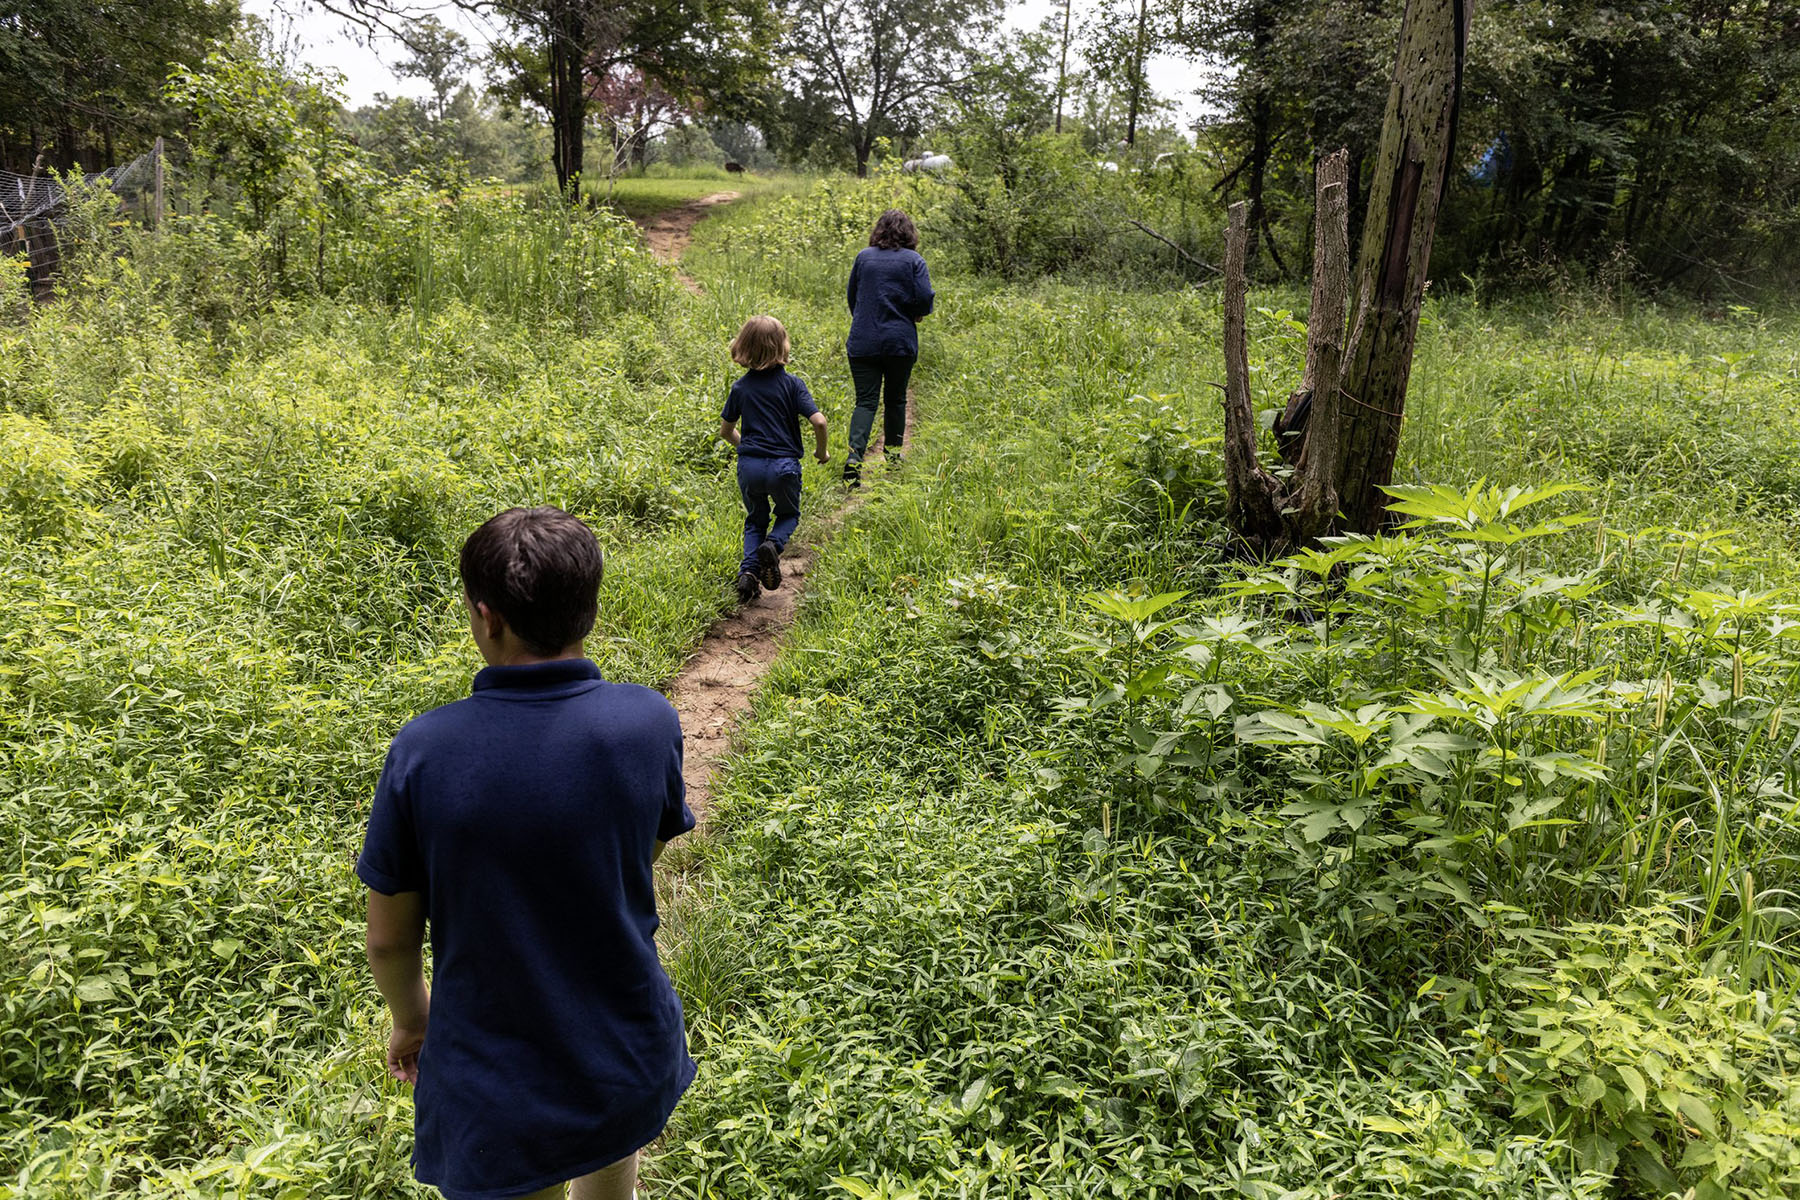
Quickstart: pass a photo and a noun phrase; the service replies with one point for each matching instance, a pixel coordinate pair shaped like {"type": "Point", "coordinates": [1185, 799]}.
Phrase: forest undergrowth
{"type": "Point", "coordinates": [1062, 856]}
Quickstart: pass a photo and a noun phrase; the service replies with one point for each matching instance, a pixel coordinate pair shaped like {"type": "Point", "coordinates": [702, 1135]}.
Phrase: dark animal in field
{"type": "Point", "coordinates": [735, 168]}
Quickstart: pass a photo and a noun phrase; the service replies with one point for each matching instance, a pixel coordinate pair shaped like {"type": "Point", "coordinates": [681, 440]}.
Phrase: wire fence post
{"type": "Point", "coordinates": [156, 187]}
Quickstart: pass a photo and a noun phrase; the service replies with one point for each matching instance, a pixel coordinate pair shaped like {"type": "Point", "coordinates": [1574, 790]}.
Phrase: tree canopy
{"type": "Point", "coordinates": [81, 81]}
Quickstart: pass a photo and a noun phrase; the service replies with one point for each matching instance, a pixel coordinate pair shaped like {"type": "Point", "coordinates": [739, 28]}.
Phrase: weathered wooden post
{"type": "Point", "coordinates": [1349, 407]}
{"type": "Point", "coordinates": [156, 186]}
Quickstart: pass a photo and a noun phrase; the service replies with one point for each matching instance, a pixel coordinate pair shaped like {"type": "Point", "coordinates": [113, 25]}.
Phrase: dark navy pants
{"type": "Point", "coordinates": [872, 376]}
{"type": "Point", "coordinates": [768, 483]}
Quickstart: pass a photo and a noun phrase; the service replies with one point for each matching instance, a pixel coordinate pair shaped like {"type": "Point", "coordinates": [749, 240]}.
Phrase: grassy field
{"type": "Point", "coordinates": [1065, 859]}
{"type": "Point", "coordinates": [1061, 857]}
{"type": "Point", "coordinates": [639, 196]}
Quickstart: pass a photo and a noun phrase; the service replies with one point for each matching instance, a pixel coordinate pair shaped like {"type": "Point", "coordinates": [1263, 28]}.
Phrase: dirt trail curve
{"type": "Point", "coordinates": [716, 685]}
{"type": "Point", "coordinates": [670, 231]}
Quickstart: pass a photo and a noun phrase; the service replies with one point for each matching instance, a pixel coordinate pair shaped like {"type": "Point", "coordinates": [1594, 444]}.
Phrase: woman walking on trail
{"type": "Point", "coordinates": [890, 292]}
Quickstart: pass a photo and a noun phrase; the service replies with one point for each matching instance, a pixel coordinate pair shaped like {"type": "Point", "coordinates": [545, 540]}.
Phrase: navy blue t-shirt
{"type": "Point", "coordinates": [890, 291]}
{"type": "Point", "coordinates": [771, 404]}
{"type": "Point", "coordinates": [526, 815]}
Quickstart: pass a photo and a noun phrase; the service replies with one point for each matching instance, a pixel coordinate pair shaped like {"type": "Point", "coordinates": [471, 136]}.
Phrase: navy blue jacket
{"type": "Point", "coordinates": [526, 815]}
{"type": "Point", "coordinates": [890, 290]}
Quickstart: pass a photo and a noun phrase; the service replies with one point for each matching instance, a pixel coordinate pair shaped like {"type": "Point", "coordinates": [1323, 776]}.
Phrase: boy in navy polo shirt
{"type": "Point", "coordinates": [770, 402]}
{"type": "Point", "coordinates": [519, 824]}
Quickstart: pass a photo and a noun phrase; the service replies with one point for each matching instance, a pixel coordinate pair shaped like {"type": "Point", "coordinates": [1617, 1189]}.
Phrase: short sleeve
{"type": "Point", "coordinates": [803, 401]}
{"type": "Point", "coordinates": [734, 406]}
{"type": "Point", "coordinates": [390, 862]}
{"type": "Point", "coordinates": [677, 818]}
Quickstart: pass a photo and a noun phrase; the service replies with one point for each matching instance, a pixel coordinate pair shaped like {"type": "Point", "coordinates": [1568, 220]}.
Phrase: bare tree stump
{"type": "Point", "coordinates": [1351, 401]}
{"type": "Point", "coordinates": [1270, 514]}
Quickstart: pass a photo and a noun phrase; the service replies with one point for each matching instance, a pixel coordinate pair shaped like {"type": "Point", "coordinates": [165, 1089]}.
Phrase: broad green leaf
{"type": "Point", "coordinates": [1633, 1081]}
{"type": "Point", "coordinates": [95, 989]}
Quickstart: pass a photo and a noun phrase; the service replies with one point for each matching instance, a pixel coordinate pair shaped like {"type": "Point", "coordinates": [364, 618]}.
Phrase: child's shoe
{"type": "Point", "coordinates": [748, 588]}
{"type": "Point", "coordinates": [768, 565]}
{"type": "Point", "coordinates": [852, 474]}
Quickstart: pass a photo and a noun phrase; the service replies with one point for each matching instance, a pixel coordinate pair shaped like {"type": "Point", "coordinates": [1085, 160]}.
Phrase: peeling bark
{"type": "Point", "coordinates": [1341, 430]}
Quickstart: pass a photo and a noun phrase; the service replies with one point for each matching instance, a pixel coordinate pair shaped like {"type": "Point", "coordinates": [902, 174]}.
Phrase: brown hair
{"type": "Point", "coordinates": [539, 568]}
{"type": "Point", "coordinates": [762, 342]}
{"type": "Point", "coordinates": [894, 230]}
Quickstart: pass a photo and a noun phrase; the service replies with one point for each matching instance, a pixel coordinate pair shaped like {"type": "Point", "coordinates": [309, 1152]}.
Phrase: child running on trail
{"type": "Point", "coordinates": [519, 824]}
{"type": "Point", "coordinates": [770, 403]}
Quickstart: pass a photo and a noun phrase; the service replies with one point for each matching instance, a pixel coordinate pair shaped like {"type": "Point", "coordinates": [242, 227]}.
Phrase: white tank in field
{"type": "Point", "coordinates": [927, 162]}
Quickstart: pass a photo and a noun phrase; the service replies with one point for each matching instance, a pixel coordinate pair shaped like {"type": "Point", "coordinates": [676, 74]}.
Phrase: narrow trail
{"type": "Point", "coordinates": [719, 680]}
{"type": "Point", "coordinates": [669, 232]}
{"type": "Point", "coordinates": [715, 686]}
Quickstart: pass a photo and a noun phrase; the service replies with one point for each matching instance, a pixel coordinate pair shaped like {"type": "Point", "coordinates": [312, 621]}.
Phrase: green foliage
{"type": "Point", "coordinates": [267, 132]}
{"type": "Point", "coordinates": [1618, 1046]}
{"type": "Point", "coordinates": [1059, 857]}
{"type": "Point", "coordinates": [867, 71]}
{"type": "Point", "coordinates": [82, 82]}
{"type": "Point", "coordinates": [229, 550]}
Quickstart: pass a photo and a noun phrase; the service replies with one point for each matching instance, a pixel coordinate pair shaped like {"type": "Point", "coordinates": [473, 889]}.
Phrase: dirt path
{"type": "Point", "coordinates": [716, 685]}
{"type": "Point", "coordinates": [670, 231]}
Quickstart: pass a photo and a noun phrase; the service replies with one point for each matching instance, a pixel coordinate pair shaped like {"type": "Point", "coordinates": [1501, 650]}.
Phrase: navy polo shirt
{"type": "Point", "coordinates": [771, 404]}
{"type": "Point", "coordinates": [526, 815]}
{"type": "Point", "coordinates": [889, 292]}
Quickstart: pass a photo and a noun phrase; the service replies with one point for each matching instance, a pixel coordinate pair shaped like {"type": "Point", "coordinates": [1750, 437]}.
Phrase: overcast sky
{"type": "Point", "coordinates": [325, 42]}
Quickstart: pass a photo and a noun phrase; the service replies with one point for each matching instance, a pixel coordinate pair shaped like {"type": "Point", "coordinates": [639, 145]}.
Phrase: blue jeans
{"type": "Point", "coordinates": [766, 483]}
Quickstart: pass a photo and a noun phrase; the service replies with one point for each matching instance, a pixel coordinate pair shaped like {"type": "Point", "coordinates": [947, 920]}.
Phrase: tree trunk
{"type": "Point", "coordinates": [1062, 66]}
{"type": "Point", "coordinates": [1262, 39]}
{"type": "Point", "coordinates": [568, 94]}
{"type": "Point", "coordinates": [1350, 404]}
{"type": "Point", "coordinates": [1269, 514]}
{"type": "Point", "coordinates": [1137, 72]}
{"type": "Point", "coordinates": [1412, 165]}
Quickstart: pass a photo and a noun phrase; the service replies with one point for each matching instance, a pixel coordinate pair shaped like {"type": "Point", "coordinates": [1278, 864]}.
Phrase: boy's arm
{"type": "Point", "coordinates": [396, 936]}
{"type": "Point", "coordinates": [821, 448]}
{"type": "Point", "coordinates": [728, 432]}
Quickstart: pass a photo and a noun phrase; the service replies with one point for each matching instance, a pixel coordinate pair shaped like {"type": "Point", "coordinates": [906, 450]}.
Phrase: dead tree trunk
{"type": "Point", "coordinates": [1268, 513]}
{"type": "Point", "coordinates": [1355, 388]}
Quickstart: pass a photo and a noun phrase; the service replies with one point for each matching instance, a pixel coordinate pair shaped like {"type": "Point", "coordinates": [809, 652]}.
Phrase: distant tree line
{"type": "Point", "coordinates": [1658, 139]}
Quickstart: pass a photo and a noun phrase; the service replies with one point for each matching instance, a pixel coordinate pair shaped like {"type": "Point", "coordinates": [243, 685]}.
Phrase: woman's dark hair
{"type": "Point", "coordinates": [540, 569]}
{"type": "Point", "coordinates": [894, 230]}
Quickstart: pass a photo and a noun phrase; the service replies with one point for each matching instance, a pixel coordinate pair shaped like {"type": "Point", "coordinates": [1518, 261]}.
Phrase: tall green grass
{"type": "Point", "coordinates": [228, 535]}
{"type": "Point", "coordinates": [1068, 859]}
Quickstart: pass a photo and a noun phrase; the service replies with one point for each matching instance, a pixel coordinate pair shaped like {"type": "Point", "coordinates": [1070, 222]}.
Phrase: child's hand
{"type": "Point", "coordinates": [403, 1053]}
{"type": "Point", "coordinates": [823, 456]}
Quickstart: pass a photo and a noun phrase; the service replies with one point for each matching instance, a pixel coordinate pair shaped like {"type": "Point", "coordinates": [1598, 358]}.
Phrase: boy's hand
{"type": "Point", "coordinates": [822, 455]}
{"type": "Point", "coordinates": [403, 1052]}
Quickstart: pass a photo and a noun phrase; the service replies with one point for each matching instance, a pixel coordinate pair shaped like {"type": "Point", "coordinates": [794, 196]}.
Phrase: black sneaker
{"type": "Point", "coordinates": [852, 474]}
{"type": "Point", "coordinates": [768, 565]}
{"type": "Point", "coordinates": [748, 588]}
